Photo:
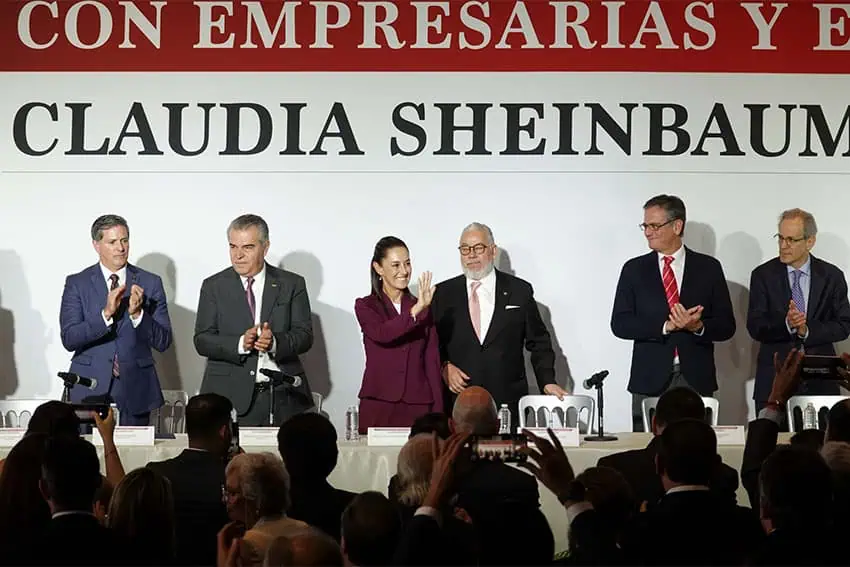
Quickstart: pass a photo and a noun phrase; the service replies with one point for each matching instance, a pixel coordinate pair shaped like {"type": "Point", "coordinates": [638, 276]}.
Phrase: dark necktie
{"type": "Point", "coordinates": [114, 279]}
{"type": "Point", "coordinates": [249, 295]}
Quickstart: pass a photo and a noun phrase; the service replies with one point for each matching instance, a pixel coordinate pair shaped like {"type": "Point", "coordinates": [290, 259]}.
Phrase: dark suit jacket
{"type": "Point", "coordinates": [197, 478]}
{"type": "Point", "coordinates": [484, 485]}
{"type": "Point", "coordinates": [499, 363]}
{"type": "Point", "coordinates": [638, 468]}
{"type": "Point", "coordinates": [687, 528]}
{"type": "Point", "coordinates": [94, 344]}
{"type": "Point", "coordinates": [319, 504]}
{"type": "Point", "coordinates": [402, 355]}
{"type": "Point", "coordinates": [79, 539]}
{"type": "Point", "coordinates": [827, 316]}
{"type": "Point", "coordinates": [224, 316]}
{"type": "Point", "coordinates": [640, 310]}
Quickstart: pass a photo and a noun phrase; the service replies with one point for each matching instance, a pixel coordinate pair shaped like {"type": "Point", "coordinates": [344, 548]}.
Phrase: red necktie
{"type": "Point", "coordinates": [114, 279]}
{"type": "Point", "coordinates": [670, 288]}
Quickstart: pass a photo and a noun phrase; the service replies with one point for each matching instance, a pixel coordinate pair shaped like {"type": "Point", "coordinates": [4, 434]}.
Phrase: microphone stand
{"type": "Point", "coordinates": [66, 392]}
{"type": "Point", "coordinates": [273, 383]}
{"type": "Point", "coordinates": [600, 436]}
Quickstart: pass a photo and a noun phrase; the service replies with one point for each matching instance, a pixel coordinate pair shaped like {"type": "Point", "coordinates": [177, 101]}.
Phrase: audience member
{"type": "Point", "coordinates": [838, 422]}
{"type": "Point", "coordinates": [434, 422]}
{"type": "Point", "coordinates": [197, 477]}
{"type": "Point", "coordinates": [811, 438]}
{"type": "Point", "coordinates": [371, 528]}
{"type": "Point", "coordinates": [102, 498]}
{"type": "Point", "coordinates": [304, 547]}
{"type": "Point", "coordinates": [308, 445]}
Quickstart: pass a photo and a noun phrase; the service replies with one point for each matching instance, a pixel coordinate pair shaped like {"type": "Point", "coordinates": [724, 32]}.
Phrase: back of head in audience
{"type": "Point", "coordinates": [687, 453]}
{"type": "Point", "coordinates": [23, 510]}
{"type": "Point", "coordinates": [811, 438]}
{"type": "Point", "coordinates": [676, 404]}
{"type": "Point", "coordinates": [434, 422]}
{"type": "Point", "coordinates": [610, 494]}
{"type": "Point", "coordinates": [257, 486]}
{"type": "Point", "coordinates": [307, 444]}
{"type": "Point", "coordinates": [371, 529]}
{"type": "Point", "coordinates": [796, 489]}
{"type": "Point", "coordinates": [70, 474]}
{"type": "Point", "coordinates": [307, 547]}
{"type": "Point", "coordinates": [54, 418]}
{"type": "Point", "coordinates": [415, 461]}
{"type": "Point", "coordinates": [208, 423]}
{"type": "Point", "coordinates": [475, 412]}
{"type": "Point", "coordinates": [838, 422]}
{"type": "Point", "coordinates": [142, 511]}
{"type": "Point", "coordinates": [102, 498]}
{"type": "Point", "coordinates": [514, 534]}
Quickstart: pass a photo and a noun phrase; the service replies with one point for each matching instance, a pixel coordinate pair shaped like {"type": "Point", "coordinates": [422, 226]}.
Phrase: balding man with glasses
{"type": "Point", "coordinates": [674, 304]}
{"type": "Point", "coordinates": [485, 319]}
{"type": "Point", "coordinates": [796, 301]}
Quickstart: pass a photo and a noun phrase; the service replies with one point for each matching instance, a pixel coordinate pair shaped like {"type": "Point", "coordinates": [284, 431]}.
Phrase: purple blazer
{"type": "Point", "coordinates": [402, 355]}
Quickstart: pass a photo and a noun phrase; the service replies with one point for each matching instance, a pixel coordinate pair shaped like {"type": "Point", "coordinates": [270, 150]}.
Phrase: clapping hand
{"type": "Point", "coordinates": [796, 319]}
{"type": "Point", "coordinates": [137, 297]}
{"type": "Point", "coordinates": [685, 319]}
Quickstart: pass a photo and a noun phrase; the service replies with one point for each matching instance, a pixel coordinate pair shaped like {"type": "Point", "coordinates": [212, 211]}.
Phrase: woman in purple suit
{"type": "Point", "coordinates": [402, 377]}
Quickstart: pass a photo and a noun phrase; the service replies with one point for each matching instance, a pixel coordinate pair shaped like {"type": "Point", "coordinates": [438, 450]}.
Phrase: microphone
{"type": "Point", "coordinates": [294, 381]}
{"type": "Point", "coordinates": [75, 379]}
{"type": "Point", "coordinates": [596, 380]}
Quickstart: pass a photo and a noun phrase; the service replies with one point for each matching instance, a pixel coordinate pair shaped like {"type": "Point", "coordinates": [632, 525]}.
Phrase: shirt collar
{"type": "Point", "coordinates": [678, 255]}
{"type": "Point", "coordinates": [259, 278]}
{"type": "Point", "coordinates": [805, 268]}
{"type": "Point", "coordinates": [122, 273]}
{"type": "Point", "coordinates": [687, 488]}
{"type": "Point", "coordinates": [72, 512]}
{"type": "Point", "coordinates": [488, 282]}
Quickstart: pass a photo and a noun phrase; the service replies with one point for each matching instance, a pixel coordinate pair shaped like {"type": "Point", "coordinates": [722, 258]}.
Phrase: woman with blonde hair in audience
{"type": "Point", "coordinates": [142, 512]}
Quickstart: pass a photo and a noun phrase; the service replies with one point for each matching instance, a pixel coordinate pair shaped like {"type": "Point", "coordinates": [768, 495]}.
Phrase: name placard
{"type": "Point", "coordinates": [130, 436]}
{"type": "Point", "coordinates": [9, 436]}
{"type": "Point", "coordinates": [730, 434]}
{"type": "Point", "coordinates": [387, 436]}
{"type": "Point", "coordinates": [258, 436]}
{"type": "Point", "coordinates": [568, 436]}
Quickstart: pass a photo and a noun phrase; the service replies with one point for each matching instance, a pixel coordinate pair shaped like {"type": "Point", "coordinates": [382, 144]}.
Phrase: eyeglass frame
{"type": "Point", "coordinates": [789, 240]}
{"type": "Point", "coordinates": [474, 248]}
{"type": "Point", "coordinates": [655, 227]}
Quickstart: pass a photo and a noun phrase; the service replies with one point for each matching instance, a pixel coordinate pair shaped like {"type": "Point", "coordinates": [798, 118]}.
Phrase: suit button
{"type": "Point", "coordinates": [252, 373]}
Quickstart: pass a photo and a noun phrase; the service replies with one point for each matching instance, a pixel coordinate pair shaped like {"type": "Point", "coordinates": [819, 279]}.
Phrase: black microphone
{"type": "Point", "coordinates": [595, 380]}
{"type": "Point", "coordinates": [76, 379]}
{"type": "Point", "coordinates": [294, 381]}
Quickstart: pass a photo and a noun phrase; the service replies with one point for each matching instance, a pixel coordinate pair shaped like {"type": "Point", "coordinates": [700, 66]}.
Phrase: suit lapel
{"type": "Point", "coordinates": [653, 274]}
{"type": "Point", "coordinates": [271, 289]}
{"type": "Point", "coordinates": [688, 280]}
{"type": "Point", "coordinates": [782, 277]}
{"type": "Point", "coordinates": [816, 286]}
{"type": "Point", "coordinates": [233, 286]}
{"type": "Point", "coordinates": [98, 284]}
{"type": "Point", "coordinates": [497, 323]}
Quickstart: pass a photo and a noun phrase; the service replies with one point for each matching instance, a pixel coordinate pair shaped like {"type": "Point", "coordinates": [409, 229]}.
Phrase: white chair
{"type": "Point", "coordinates": [17, 413]}
{"type": "Point", "coordinates": [799, 403]}
{"type": "Point", "coordinates": [712, 406]}
{"type": "Point", "coordinates": [544, 408]}
{"type": "Point", "coordinates": [317, 401]}
{"type": "Point", "coordinates": [171, 417]}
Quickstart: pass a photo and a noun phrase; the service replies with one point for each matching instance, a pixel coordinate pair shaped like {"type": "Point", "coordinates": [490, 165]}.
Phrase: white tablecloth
{"type": "Point", "coordinates": [362, 468]}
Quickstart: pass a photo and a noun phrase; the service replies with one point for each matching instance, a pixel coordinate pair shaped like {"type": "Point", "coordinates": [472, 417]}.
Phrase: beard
{"type": "Point", "coordinates": [479, 274]}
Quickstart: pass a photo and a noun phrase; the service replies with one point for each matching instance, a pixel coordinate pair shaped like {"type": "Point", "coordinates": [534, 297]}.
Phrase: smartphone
{"type": "Point", "coordinates": [84, 412]}
{"type": "Point", "coordinates": [506, 448]}
{"type": "Point", "coordinates": [822, 367]}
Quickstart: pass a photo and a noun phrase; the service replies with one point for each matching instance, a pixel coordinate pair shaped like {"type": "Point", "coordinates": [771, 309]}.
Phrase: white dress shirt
{"type": "Point", "coordinates": [264, 360]}
{"type": "Point", "coordinates": [486, 299]}
{"type": "Point", "coordinates": [678, 267]}
{"type": "Point", "coordinates": [122, 279]}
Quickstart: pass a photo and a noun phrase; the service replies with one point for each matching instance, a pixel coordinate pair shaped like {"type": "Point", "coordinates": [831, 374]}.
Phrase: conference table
{"type": "Point", "coordinates": [361, 467]}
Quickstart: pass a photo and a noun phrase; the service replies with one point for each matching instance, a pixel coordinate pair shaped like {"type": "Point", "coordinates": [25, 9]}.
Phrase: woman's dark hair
{"type": "Point", "coordinates": [383, 246]}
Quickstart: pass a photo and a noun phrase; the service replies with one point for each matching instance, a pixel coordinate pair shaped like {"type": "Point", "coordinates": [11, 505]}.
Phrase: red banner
{"type": "Point", "coordinates": [796, 36]}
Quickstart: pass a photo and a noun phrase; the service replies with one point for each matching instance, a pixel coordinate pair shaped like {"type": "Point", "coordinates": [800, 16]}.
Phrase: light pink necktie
{"type": "Point", "coordinates": [475, 309]}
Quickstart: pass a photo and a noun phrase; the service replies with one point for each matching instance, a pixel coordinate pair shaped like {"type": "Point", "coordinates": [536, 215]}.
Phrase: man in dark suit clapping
{"type": "Point", "coordinates": [484, 320]}
{"type": "Point", "coordinates": [674, 304]}
{"type": "Point", "coordinates": [796, 301]}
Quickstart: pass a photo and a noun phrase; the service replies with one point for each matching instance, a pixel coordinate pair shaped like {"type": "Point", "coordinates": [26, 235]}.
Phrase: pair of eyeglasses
{"type": "Point", "coordinates": [466, 250]}
{"type": "Point", "coordinates": [654, 227]}
{"type": "Point", "coordinates": [787, 239]}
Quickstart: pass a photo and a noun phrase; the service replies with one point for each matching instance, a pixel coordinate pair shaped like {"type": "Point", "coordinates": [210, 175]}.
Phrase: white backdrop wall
{"type": "Point", "coordinates": [565, 223]}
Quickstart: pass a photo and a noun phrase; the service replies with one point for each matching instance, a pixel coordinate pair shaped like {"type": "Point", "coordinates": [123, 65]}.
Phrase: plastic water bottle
{"type": "Point", "coordinates": [116, 413]}
{"type": "Point", "coordinates": [352, 424]}
{"type": "Point", "coordinates": [810, 417]}
{"type": "Point", "coordinates": [504, 419]}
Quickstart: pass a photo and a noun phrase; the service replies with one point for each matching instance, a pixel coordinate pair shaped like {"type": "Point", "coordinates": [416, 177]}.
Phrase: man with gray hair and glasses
{"type": "Point", "coordinates": [485, 318]}
{"type": "Point", "coordinates": [253, 317]}
{"type": "Point", "coordinates": [796, 301]}
{"type": "Point", "coordinates": [112, 314]}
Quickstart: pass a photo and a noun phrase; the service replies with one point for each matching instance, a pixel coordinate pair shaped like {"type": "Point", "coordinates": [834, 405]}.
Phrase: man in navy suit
{"type": "Point", "coordinates": [674, 304]}
{"type": "Point", "coordinates": [112, 314]}
{"type": "Point", "coordinates": [796, 301]}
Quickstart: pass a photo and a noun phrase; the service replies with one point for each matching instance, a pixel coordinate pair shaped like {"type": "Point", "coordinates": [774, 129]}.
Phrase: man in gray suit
{"type": "Point", "coordinates": [253, 316]}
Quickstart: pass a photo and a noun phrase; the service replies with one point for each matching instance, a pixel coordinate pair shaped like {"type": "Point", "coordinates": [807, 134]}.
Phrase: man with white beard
{"type": "Point", "coordinates": [484, 319]}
